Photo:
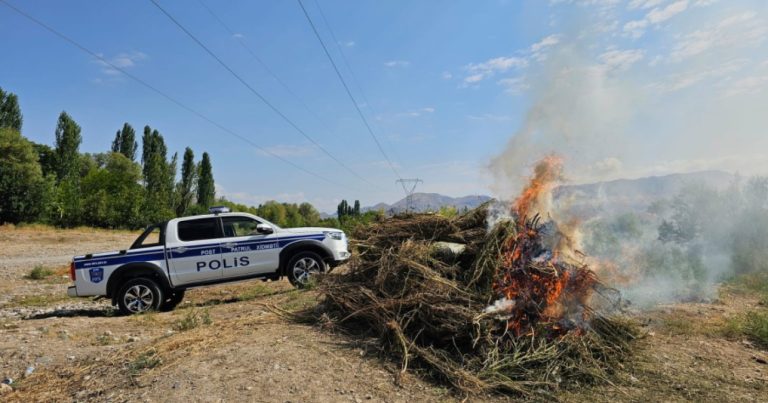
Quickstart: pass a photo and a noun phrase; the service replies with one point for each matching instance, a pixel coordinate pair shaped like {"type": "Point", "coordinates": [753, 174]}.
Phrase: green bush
{"type": "Point", "coordinates": [753, 325]}
{"type": "Point", "coordinates": [39, 272]}
{"type": "Point", "coordinates": [146, 360]}
{"type": "Point", "coordinates": [192, 320]}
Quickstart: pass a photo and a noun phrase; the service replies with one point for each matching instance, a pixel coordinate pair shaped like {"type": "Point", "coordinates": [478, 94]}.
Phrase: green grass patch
{"type": "Point", "coordinates": [193, 319]}
{"type": "Point", "coordinates": [145, 360]}
{"type": "Point", "coordinates": [256, 291]}
{"type": "Point", "coordinates": [753, 325]}
{"type": "Point", "coordinates": [677, 326]}
{"type": "Point", "coordinates": [754, 283]}
{"type": "Point", "coordinates": [297, 300]}
{"type": "Point", "coordinates": [104, 340]}
{"type": "Point", "coordinates": [37, 300]}
{"type": "Point", "coordinates": [39, 272]}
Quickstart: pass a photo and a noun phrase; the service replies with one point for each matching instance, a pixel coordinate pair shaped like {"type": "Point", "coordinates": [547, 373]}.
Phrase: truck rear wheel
{"type": "Point", "coordinates": [303, 266]}
{"type": "Point", "coordinates": [139, 295]}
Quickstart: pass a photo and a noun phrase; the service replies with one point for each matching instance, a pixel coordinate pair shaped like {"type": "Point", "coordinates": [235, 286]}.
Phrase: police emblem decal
{"type": "Point", "coordinates": [97, 274]}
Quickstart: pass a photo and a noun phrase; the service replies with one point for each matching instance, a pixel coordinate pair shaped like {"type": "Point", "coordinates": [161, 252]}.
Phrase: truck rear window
{"type": "Point", "coordinates": [195, 230]}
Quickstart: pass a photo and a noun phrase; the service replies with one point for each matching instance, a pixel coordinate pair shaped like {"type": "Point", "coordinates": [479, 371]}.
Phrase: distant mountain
{"type": "Point", "coordinates": [634, 194]}
{"type": "Point", "coordinates": [423, 202]}
{"type": "Point", "coordinates": [585, 200]}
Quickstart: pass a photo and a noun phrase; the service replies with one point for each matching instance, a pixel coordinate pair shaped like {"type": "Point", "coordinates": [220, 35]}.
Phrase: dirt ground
{"type": "Point", "coordinates": [235, 343]}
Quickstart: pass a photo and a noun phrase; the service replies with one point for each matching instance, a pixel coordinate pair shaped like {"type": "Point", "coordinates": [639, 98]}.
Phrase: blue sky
{"type": "Point", "coordinates": [628, 88]}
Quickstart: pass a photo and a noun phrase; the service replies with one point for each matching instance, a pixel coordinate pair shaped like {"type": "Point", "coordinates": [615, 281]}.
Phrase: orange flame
{"type": "Point", "coordinates": [549, 290]}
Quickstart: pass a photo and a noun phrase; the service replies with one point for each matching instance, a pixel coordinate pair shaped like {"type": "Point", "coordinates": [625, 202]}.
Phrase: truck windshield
{"type": "Point", "coordinates": [152, 236]}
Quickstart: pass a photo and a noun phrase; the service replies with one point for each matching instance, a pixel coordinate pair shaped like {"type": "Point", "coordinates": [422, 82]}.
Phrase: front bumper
{"type": "Point", "coordinates": [72, 291]}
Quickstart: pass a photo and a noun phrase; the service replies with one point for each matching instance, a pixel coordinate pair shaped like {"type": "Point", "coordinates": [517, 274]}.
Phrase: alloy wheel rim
{"type": "Point", "coordinates": [138, 298]}
{"type": "Point", "coordinates": [304, 268]}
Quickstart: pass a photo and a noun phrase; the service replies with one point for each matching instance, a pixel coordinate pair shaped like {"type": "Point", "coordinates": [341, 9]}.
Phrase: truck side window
{"type": "Point", "coordinates": [239, 226]}
{"type": "Point", "coordinates": [152, 236]}
{"type": "Point", "coordinates": [194, 230]}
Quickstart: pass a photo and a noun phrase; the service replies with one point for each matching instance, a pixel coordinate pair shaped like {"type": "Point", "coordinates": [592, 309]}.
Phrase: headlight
{"type": "Point", "coordinates": [334, 235]}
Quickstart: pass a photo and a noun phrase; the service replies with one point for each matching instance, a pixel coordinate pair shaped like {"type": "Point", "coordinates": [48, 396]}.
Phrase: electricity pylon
{"type": "Point", "coordinates": [409, 185]}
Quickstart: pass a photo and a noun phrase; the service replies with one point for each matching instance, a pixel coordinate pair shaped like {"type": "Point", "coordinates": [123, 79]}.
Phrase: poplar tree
{"type": "Point", "coordinates": [184, 187]}
{"type": "Point", "coordinates": [205, 187]}
{"type": "Point", "coordinates": [158, 176]}
{"type": "Point", "coordinates": [125, 142]}
{"type": "Point", "coordinates": [68, 141]}
{"type": "Point", "coordinates": [10, 113]}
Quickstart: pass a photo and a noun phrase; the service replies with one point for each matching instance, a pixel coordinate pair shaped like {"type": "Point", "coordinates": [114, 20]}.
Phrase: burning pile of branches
{"type": "Point", "coordinates": [505, 308]}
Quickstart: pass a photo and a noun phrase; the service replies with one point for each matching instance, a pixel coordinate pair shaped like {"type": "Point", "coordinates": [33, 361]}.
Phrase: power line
{"type": "Point", "coordinates": [355, 81]}
{"type": "Point", "coordinates": [161, 93]}
{"type": "Point", "coordinates": [263, 64]}
{"type": "Point", "coordinates": [253, 90]}
{"type": "Point", "coordinates": [346, 88]}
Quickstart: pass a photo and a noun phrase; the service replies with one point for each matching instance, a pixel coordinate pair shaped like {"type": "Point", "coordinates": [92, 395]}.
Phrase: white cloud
{"type": "Point", "coordinates": [643, 4]}
{"type": "Point", "coordinates": [446, 75]}
{"type": "Point", "coordinates": [538, 49]}
{"type": "Point", "coordinates": [735, 31]}
{"type": "Point", "coordinates": [473, 78]}
{"type": "Point", "coordinates": [123, 61]}
{"type": "Point", "coordinates": [481, 71]}
{"type": "Point", "coordinates": [621, 59]}
{"type": "Point", "coordinates": [514, 85]}
{"type": "Point", "coordinates": [397, 63]}
{"type": "Point", "coordinates": [416, 112]}
{"type": "Point", "coordinates": [347, 44]}
{"type": "Point", "coordinates": [656, 16]}
{"type": "Point", "coordinates": [692, 77]}
{"type": "Point", "coordinates": [238, 35]}
{"type": "Point", "coordinates": [490, 117]}
{"type": "Point", "coordinates": [548, 41]}
{"type": "Point", "coordinates": [659, 15]}
{"type": "Point", "coordinates": [288, 150]}
{"type": "Point", "coordinates": [536, 52]}
{"type": "Point", "coordinates": [635, 29]}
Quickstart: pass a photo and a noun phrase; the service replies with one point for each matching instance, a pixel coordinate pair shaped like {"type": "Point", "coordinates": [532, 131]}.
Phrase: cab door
{"type": "Point", "coordinates": [244, 250]}
{"type": "Point", "coordinates": [196, 258]}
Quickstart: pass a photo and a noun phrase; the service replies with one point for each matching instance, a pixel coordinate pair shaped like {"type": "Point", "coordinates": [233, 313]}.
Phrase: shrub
{"type": "Point", "coordinates": [192, 320]}
{"type": "Point", "coordinates": [39, 272]}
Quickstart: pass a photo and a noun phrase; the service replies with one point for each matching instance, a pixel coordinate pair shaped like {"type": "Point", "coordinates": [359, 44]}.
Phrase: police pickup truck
{"type": "Point", "coordinates": [170, 257]}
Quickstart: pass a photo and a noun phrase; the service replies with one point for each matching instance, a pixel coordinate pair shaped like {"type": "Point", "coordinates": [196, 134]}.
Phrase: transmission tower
{"type": "Point", "coordinates": [409, 185]}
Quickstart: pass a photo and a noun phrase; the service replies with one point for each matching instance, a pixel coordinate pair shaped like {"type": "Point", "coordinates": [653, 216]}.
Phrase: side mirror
{"type": "Point", "coordinates": [264, 229]}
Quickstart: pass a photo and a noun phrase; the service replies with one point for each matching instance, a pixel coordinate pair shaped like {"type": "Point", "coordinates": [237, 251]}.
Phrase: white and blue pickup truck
{"type": "Point", "coordinates": [170, 257]}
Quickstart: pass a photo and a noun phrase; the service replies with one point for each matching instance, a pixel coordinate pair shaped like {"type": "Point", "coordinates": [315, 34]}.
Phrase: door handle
{"type": "Point", "coordinates": [229, 245]}
{"type": "Point", "coordinates": [180, 250]}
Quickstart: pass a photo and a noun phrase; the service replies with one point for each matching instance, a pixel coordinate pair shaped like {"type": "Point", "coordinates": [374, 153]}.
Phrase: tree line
{"type": "Point", "coordinates": [129, 186]}
{"type": "Point", "coordinates": [59, 185]}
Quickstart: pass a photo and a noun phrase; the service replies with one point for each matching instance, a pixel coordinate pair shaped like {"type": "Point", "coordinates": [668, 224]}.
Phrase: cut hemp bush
{"type": "Point", "coordinates": [508, 307]}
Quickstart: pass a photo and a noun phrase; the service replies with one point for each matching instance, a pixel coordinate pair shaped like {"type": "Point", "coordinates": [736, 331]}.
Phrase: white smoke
{"type": "Point", "coordinates": [614, 111]}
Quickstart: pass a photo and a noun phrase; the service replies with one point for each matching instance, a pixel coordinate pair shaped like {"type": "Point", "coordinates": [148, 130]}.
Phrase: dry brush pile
{"type": "Point", "coordinates": [480, 309]}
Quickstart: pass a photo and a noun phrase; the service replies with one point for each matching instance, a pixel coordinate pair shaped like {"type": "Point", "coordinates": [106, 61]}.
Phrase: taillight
{"type": "Point", "coordinates": [72, 271]}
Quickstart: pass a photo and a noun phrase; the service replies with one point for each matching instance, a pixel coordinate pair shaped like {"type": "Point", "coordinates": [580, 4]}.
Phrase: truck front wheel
{"type": "Point", "coordinates": [303, 266]}
{"type": "Point", "coordinates": [139, 295]}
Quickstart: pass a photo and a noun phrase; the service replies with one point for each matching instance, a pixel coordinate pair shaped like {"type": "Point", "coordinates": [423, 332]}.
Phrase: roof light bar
{"type": "Point", "coordinates": [218, 209]}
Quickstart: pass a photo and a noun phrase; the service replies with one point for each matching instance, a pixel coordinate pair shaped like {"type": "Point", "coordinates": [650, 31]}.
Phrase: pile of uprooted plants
{"type": "Point", "coordinates": [482, 309]}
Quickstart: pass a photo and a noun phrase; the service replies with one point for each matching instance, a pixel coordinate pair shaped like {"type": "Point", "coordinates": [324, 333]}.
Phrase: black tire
{"type": "Point", "coordinates": [139, 295]}
{"type": "Point", "coordinates": [173, 299]}
{"type": "Point", "coordinates": [307, 262]}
